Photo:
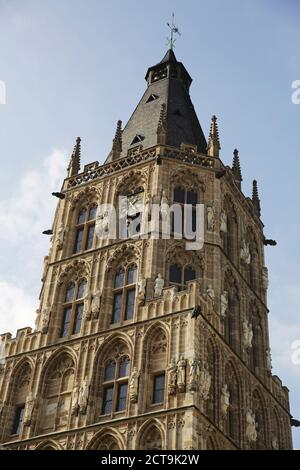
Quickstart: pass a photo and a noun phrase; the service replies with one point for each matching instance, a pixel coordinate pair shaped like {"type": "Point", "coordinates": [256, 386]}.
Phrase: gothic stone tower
{"type": "Point", "coordinates": [122, 358]}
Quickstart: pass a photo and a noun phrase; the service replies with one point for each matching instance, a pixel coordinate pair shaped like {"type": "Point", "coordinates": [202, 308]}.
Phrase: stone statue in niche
{"type": "Point", "coordinates": [204, 381]}
{"type": "Point", "coordinates": [210, 218]}
{"type": "Point", "coordinates": [194, 375]}
{"type": "Point", "coordinates": [60, 236]}
{"type": "Point", "coordinates": [210, 292]}
{"type": "Point", "coordinates": [75, 399]}
{"type": "Point", "coordinates": [134, 385]}
{"type": "Point", "coordinates": [142, 289]}
{"type": "Point", "coordinates": [159, 285]}
{"type": "Point", "coordinates": [46, 264]}
{"type": "Point", "coordinates": [247, 333]}
{"type": "Point", "coordinates": [45, 318]}
{"type": "Point", "coordinates": [265, 278]}
{"type": "Point", "coordinates": [224, 304]}
{"type": "Point", "coordinates": [172, 377]}
{"type": "Point", "coordinates": [95, 304]}
{"type": "Point", "coordinates": [83, 396]}
{"type": "Point", "coordinates": [29, 405]}
{"type": "Point", "coordinates": [251, 433]}
{"type": "Point", "coordinates": [268, 360]}
{"type": "Point", "coordinates": [275, 443]}
{"type": "Point", "coordinates": [245, 252]}
{"type": "Point", "coordinates": [181, 374]}
{"type": "Point", "coordinates": [223, 222]}
{"type": "Point", "coordinates": [164, 204]}
{"type": "Point", "coordinates": [225, 399]}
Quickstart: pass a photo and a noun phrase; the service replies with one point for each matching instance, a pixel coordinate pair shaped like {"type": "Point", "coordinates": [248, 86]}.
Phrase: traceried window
{"type": "Point", "coordinates": [115, 385]}
{"type": "Point", "coordinates": [85, 229]}
{"type": "Point", "coordinates": [124, 294]}
{"type": "Point", "coordinates": [158, 388]}
{"type": "Point", "coordinates": [18, 396]}
{"type": "Point", "coordinates": [179, 276]}
{"type": "Point", "coordinates": [182, 197]}
{"type": "Point", "coordinates": [57, 399]}
{"type": "Point", "coordinates": [73, 308]}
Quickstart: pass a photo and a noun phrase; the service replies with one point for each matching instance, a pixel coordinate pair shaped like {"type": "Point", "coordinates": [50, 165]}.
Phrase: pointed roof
{"type": "Point", "coordinates": [168, 83]}
{"type": "Point", "coordinates": [255, 198]}
{"type": "Point", "coordinates": [213, 144]}
{"type": "Point", "coordinates": [74, 164]}
{"type": "Point", "coordinates": [236, 166]}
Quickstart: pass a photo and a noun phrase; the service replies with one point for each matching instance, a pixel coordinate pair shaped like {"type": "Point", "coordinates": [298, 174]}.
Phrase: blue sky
{"type": "Point", "coordinates": [73, 67]}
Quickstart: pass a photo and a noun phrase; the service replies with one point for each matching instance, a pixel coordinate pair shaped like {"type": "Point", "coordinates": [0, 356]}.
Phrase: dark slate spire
{"type": "Point", "coordinates": [117, 142]}
{"type": "Point", "coordinates": [213, 144]}
{"type": "Point", "coordinates": [168, 83]}
{"type": "Point", "coordinates": [255, 198]}
{"type": "Point", "coordinates": [236, 168]}
{"type": "Point", "coordinates": [74, 165]}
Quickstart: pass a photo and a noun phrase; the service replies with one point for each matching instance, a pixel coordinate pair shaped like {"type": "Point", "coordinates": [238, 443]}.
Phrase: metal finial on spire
{"type": "Point", "coordinates": [173, 29]}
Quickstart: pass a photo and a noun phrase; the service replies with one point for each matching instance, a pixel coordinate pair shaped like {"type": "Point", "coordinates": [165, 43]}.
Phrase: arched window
{"type": "Point", "coordinates": [85, 229]}
{"type": "Point", "coordinates": [19, 394]}
{"type": "Point", "coordinates": [115, 385]}
{"type": "Point", "coordinates": [179, 276]}
{"type": "Point", "coordinates": [124, 294]}
{"type": "Point", "coordinates": [73, 308]}
{"type": "Point", "coordinates": [230, 234]}
{"type": "Point", "coordinates": [156, 364]}
{"type": "Point", "coordinates": [182, 197]}
{"type": "Point", "coordinates": [56, 409]}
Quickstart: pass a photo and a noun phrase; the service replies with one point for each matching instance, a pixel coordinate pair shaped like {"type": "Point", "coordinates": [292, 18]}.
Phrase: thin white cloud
{"type": "Point", "coordinates": [16, 308]}
{"type": "Point", "coordinates": [23, 217]}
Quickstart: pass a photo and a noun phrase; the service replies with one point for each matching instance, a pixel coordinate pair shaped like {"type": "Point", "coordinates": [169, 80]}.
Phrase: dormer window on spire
{"type": "Point", "coordinates": [138, 138]}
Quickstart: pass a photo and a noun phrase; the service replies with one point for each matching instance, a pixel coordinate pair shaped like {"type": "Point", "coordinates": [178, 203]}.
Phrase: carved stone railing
{"type": "Point", "coordinates": [94, 171]}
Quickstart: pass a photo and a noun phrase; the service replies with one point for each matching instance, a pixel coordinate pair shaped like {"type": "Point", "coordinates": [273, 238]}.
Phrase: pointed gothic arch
{"type": "Point", "coordinates": [151, 436]}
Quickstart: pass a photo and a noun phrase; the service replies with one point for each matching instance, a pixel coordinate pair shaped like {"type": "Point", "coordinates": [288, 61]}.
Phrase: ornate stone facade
{"type": "Point", "coordinates": [218, 391]}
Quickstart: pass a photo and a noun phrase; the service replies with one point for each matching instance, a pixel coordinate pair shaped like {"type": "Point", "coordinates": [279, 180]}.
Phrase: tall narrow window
{"type": "Point", "coordinates": [18, 419]}
{"type": "Point", "coordinates": [124, 294]}
{"type": "Point", "coordinates": [85, 229]}
{"type": "Point", "coordinates": [73, 308]}
{"type": "Point", "coordinates": [115, 385]}
{"type": "Point", "coordinates": [158, 388]}
{"type": "Point", "coordinates": [182, 196]}
{"type": "Point", "coordinates": [179, 276]}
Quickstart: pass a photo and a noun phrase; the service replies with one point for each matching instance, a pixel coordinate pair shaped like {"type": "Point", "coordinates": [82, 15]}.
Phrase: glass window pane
{"type": "Point", "coordinates": [107, 400]}
{"type": "Point", "coordinates": [122, 397]}
{"type": "Point", "coordinates": [82, 216]}
{"type": "Point", "coordinates": [119, 279]}
{"type": "Point", "coordinates": [92, 213]}
{"type": "Point", "coordinates": [116, 316]}
{"type": "Point", "coordinates": [70, 292]}
{"type": "Point", "coordinates": [175, 274]}
{"type": "Point", "coordinates": [66, 322]}
{"type": "Point", "coordinates": [194, 221]}
{"type": "Point", "coordinates": [191, 198]}
{"type": "Point", "coordinates": [130, 301]}
{"type": "Point", "coordinates": [81, 289]}
{"type": "Point", "coordinates": [110, 371]}
{"type": "Point", "coordinates": [131, 275]}
{"type": "Point", "coordinates": [179, 195]}
{"type": "Point", "coordinates": [124, 367]}
{"type": "Point", "coordinates": [78, 241]}
{"type": "Point", "coordinates": [18, 419]}
{"type": "Point", "coordinates": [189, 275]}
{"type": "Point", "coordinates": [90, 237]}
{"type": "Point", "coordinates": [159, 388]}
{"type": "Point", "coordinates": [78, 319]}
